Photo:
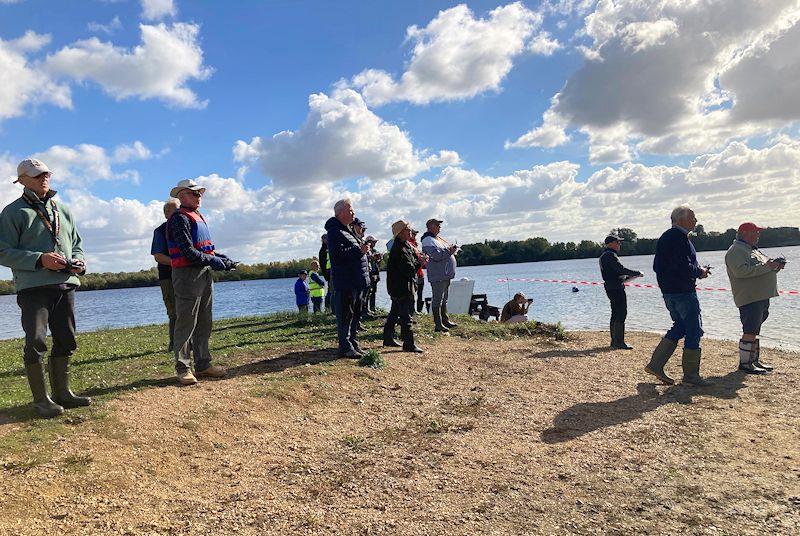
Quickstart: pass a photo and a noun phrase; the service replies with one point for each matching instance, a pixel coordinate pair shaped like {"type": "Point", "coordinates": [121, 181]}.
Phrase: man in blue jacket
{"type": "Point", "coordinates": [349, 275]}
{"type": "Point", "coordinates": [677, 270]}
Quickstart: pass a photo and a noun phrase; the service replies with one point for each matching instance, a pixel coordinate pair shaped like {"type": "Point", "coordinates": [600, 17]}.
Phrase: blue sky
{"type": "Point", "coordinates": [560, 119]}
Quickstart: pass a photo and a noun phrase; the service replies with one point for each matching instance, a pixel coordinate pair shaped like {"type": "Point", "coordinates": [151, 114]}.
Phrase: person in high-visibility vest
{"type": "Point", "coordinates": [316, 286]}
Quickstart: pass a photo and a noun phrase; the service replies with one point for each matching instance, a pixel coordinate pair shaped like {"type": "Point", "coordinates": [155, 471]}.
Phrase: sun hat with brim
{"type": "Point", "coordinates": [30, 167]}
{"type": "Point", "coordinates": [186, 184]}
{"type": "Point", "coordinates": [749, 226]}
{"type": "Point", "coordinates": [399, 226]}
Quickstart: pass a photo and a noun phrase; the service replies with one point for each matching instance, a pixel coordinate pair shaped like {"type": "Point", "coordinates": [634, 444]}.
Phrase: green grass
{"type": "Point", "coordinates": [372, 359]}
{"type": "Point", "coordinates": [111, 362]}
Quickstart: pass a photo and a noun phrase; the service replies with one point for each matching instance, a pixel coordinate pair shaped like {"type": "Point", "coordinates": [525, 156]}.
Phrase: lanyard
{"type": "Point", "coordinates": [55, 226]}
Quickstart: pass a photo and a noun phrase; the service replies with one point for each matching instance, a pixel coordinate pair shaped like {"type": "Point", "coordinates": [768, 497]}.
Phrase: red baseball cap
{"type": "Point", "coordinates": [749, 226]}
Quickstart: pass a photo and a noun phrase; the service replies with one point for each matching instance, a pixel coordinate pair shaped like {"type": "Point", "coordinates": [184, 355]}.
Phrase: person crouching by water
{"type": "Point", "coordinates": [193, 257]}
{"type": "Point", "coordinates": [301, 293]}
{"type": "Point", "coordinates": [441, 270]}
{"type": "Point", "coordinates": [316, 287]}
{"type": "Point", "coordinates": [401, 283]}
{"type": "Point", "coordinates": [677, 270]}
{"type": "Point", "coordinates": [614, 275]}
{"type": "Point", "coordinates": [41, 245]}
{"type": "Point", "coordinates": [754, 280]}
{"type": "Point", "coordinates": [349, 276]}
{"type": "Point", "coordinates": [516, 310]}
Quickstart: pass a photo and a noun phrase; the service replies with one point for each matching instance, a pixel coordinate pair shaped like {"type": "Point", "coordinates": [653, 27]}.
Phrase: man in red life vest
{"type": "Point", "coordinates": [193, 257]}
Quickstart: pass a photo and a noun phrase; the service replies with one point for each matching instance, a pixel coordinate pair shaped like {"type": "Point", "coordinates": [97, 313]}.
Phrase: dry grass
{"type": "Point", "coordinates": [523, 436]}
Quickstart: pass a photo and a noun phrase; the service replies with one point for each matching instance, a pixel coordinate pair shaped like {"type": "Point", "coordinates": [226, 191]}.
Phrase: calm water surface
{"type": "Point", "coordinates": [586, 310]}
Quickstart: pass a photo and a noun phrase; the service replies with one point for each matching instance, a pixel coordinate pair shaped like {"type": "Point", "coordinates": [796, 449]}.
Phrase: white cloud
{"type": "Point", "coordinates": [340, 139]}
{"type": "Point", "coordinates": [24, 84]}
{"type": "Point", "coordinates": [456, 56]}
{"type": "Point", "coordinates": [678, 77]}
{"type": "Point", "coordinates": [158, 9]}
{"type": "Point", "coordinates": [544, 45]}
{"type": "Point", "coordinates": [111, 27]}
{"type": "Point", "coordinates": [160, 67]}
{"type": "Point", "coordinates": [86, 163]}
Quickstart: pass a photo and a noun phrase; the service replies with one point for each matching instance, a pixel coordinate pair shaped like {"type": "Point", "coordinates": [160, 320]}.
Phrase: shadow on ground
{"type": "Point", "coordinates": [288, 360]}
{"type": "Point", "coordinates": [587, 417]}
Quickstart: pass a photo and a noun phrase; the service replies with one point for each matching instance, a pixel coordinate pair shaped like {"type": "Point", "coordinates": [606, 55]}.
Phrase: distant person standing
{"type": "Point", "coordinates": [754, 280]}
{"type": "Point", "coordinates": [375, 259]}
{"type": "Point", "coordinates": [401, 280]}
{"type": "Point", "coordinates": [193, 257]}
{"type": "Point", "coordinates": [160, 251]}
{"type": "Point", "coordinates": [677, 271]}
{"type": "Point", "coordinates": [614, 276]}
{"type": "Point", "coordinates": [325, 267]}
{"type": "Point", "coordinates": [301, 292]}
{"type": "Point", "coordinates": [441, 270]}
{"type": "Point", "coordinates": [349, 275]}
{"type": "Point", "coordinates": [42, 246]}
{"type": "Point", "coordinates": [421, 271]}
{"type": "Point", "coordinates": [316, 287]}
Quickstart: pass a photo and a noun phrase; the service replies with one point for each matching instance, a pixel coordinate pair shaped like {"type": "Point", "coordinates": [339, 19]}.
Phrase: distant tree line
{"type": "Point", "coordinates": [540, 249]}
{"type": "Point", "coordinates": [487, 252]}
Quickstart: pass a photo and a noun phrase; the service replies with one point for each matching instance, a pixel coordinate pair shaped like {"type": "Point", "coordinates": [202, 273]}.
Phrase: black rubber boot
{"type": "Point", "coordinates": [437, 320]}
{"type": "Point", "coordinates": [408, 341]}
{"type": "Point", "coordinates": [42, 403]}
{"type": "Point", "coordinates": [618, 337]}
{"type": "Point", "coordinates": [748, 358]}
{"type": "Point", "coordinates": [446, 320]}
{"type": "Point", "coordinates": [661, 355]}
{"type": "Point", "coordinates": [59, 382]}
{"type": "Point", "coordinates": [691, 368]}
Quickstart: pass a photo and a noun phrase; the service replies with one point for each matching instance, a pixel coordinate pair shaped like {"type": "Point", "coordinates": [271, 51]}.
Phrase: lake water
{"type": "Point", "coordinates": [587, 309]}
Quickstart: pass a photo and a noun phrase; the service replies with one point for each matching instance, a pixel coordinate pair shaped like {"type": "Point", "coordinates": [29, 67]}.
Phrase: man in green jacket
{"type": "Point", "coordinates": [41, 245]}
{"type": "Point", "coordinates": [754, 281]}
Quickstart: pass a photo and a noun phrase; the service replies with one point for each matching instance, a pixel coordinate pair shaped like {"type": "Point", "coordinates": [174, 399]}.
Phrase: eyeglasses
{"type": "Point", "coordinates": [193, 192]}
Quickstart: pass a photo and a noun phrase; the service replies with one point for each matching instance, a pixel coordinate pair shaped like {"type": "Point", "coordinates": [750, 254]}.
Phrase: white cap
{"type": "Point", "coordinates": [30, 167]}
{"type": "Point", "coordinates": [186, 184]}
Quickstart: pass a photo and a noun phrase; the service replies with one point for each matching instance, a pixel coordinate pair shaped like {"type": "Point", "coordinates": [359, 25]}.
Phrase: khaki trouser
{"type": "Point", "coordinates": [193, 321]}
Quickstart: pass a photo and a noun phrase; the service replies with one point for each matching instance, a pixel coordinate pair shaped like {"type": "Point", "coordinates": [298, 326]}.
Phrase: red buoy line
{"type": "Point", "coordinates": [634, 285]}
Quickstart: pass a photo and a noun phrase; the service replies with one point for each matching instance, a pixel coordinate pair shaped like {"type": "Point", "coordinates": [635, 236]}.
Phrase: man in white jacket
{"type": "Point", "coordinates": [441, 270]}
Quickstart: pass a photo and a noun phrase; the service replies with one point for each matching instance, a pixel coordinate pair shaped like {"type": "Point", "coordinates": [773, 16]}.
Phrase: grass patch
{"type": "Point", "coordinates": [355, 443]}
{"type": "Point", "coordinates": [77, 462]}
{"type": "Point", "coordinates": [372, 359]}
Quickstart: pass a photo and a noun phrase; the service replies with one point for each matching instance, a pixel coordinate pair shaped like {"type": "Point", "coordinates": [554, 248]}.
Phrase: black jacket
{"type": "Point", "coordinates": [612, 270]}
{"type": "Point", "coordinates": [349, 266]}
{"type": "Point", "coordinates": [323, 261]}
{"type": "Point", "coordinates": [401, 271]}
{"type": "Point", "coordinates": [675, 264]}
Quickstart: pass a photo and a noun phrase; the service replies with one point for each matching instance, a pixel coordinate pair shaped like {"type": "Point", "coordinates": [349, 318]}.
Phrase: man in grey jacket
{"type": "Point", "coordinates": [754, 281]}
{"type": "Point", "coordinates": [441, 270]}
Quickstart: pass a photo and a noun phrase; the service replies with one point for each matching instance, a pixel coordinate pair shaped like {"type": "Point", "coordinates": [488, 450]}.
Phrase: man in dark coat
{"type": "Point", "coordinates": [401, 283]}
{"type": "Point", "coordinates": [677, 271]}
{"type": "Point", "coordinates": [349, 276]}
{"type": "Point", "coordinates": [614, 276]}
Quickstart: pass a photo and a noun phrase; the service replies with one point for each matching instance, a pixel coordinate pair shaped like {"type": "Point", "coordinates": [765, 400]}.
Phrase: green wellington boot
{"type": "Point", "coordinates": [691, 368]}
{"type": "Point", "coordinates": [661, 355]}
{"type": "Point", "coordinates": [59, 382]}
{"type": "Point", "coordinates": [42, 403]}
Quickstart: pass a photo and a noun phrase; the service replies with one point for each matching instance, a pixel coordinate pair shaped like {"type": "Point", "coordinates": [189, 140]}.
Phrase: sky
{"type": "Point", "coordinates": [559, 118]}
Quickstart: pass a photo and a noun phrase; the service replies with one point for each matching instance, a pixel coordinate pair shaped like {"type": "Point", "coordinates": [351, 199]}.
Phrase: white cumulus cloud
{"type": "Point", "coordinates": [158, 9]}
{"type": "Point", "coordinates": [87, 163]}
{"type": "Point", "coordinates": [457, 56]}
{"type": "Point", "coordinates": [160, 67]}
{"type": "Point", "coordinates": [341, 138]}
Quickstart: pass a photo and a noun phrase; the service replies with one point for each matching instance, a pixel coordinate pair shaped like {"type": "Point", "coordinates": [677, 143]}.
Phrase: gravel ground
{"type": "Point", "coordinates": [523, 436]}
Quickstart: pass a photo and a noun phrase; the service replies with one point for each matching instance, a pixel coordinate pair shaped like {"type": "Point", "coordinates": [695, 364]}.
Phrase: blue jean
{"type": "Point", "coordinates": [347, 308]}
{"type": "Point", "coordinates": [684, 308]}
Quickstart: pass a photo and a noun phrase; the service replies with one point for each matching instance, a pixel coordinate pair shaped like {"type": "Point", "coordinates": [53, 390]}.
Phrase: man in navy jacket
{"type": "Point", "coordinates": [349, 275]}
{"type": "Point", "coordinates": [677, 270]}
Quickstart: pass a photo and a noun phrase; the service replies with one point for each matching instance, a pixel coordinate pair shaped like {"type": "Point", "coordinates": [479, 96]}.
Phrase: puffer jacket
{"type": "Point", "coordinates": [349, 266]}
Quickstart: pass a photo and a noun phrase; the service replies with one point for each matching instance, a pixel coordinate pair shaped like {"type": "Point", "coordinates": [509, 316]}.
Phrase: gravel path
{"type": "Point", "coordinates": [520, 436]}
